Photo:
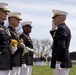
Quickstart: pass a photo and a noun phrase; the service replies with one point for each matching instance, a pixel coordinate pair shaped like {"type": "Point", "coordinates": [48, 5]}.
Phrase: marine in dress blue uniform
{"type": "Point", "coordinates": [61, 34]}
{"type": "Point", "coordinates": [5, 58]}
{"type": "Point", "coordinates": [14, 19]}
{"type": "Point", "coordinates": [27, 58]}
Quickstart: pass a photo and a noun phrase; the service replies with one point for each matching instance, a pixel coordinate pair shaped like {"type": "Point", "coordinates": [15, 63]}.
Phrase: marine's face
{"type": "Point", "coordinates": [59, 19]}
{"type": "Point", "coordinates": [56, 20]}
{"type": "Point", "coordinates": [27, 29]}
{"type": "Point", "coordinates": [3, 14]}
{"type": "Point", "coordinates": [15, 22]}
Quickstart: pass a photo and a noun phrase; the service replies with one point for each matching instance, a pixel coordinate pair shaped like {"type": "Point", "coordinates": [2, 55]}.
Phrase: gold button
{"type": "Point", "coordinates": [23, 62]}
{"type": "Point", "coordinates": [21, 54]}
{"type": "Point", "coordinates": [21, 57]}
{"type": "Point", "coordinates": [0, 52]}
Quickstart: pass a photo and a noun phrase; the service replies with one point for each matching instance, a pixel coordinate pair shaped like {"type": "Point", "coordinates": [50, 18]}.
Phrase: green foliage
{"type": "Point", "coordinates": [46, 70]}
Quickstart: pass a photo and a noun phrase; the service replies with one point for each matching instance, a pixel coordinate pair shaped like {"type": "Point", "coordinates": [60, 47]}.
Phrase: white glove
{"type": "Point", "coordinates": [23, 45]}
{"type": "Point", "coordinates": [24, 66]}
{"type": "Point", "coordinates": [58, 65]}
{"type": "Point", "coordinates": [54, 27]}
{"type": "Point", "coordinates": [30, 49]}
{"type": "Point", "coordinates": [27, 49]}
{"type": "Point", "coordinates": [14, 49]}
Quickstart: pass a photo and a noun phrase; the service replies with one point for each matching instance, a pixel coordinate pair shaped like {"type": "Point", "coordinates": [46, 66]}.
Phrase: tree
{"type": "Point", "coordinates": [42, 47]}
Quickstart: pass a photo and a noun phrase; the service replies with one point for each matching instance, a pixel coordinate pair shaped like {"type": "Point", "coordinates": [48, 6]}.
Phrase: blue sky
{"type": "Point", "coordinates": [40, 13]}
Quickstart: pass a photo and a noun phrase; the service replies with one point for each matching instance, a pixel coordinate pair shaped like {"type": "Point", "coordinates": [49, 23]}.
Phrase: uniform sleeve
{"type": "Point", "coordinates": [52, 32]}
{"type": "Point", "coordinates": [23, 37]}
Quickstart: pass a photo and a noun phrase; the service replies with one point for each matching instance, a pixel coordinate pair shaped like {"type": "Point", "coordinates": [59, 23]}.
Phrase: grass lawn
{"type": "Point", "coordinates": [46, 70]}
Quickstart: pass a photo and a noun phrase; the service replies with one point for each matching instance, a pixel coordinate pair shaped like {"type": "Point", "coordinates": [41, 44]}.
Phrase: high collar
{"type": "Point", "coordinates": [61, 24]}
{"type": "Point", "coordinates": [13, 29]}
{"type": "Point", "coordinates": [2, 23]}
{"type": "Point", "coordinates": [26, 33]}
